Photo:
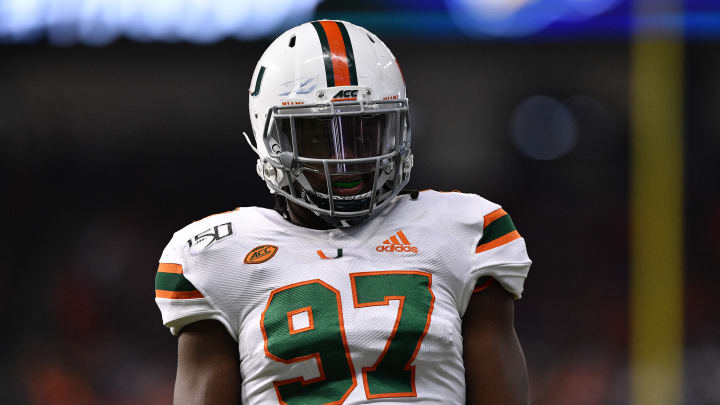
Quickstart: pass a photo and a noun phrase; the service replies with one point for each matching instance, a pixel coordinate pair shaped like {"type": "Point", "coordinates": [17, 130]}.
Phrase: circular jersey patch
{"type": "Point", "coordinates": [261, 254]}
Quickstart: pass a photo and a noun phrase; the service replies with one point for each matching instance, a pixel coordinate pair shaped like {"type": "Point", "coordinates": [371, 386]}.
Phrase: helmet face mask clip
{"type": "Point", "coordinates": [343, 157]}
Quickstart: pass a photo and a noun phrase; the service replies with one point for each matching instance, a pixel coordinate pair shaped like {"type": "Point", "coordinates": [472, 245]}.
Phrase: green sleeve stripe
{"type": "Point", "coordinates": [498, 228]}
{"type": "Point", "coordinates": [172, 282]}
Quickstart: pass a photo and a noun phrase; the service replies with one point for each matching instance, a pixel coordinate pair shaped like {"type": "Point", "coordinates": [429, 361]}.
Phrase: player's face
{"type": "Point", "coordinates": [340, 137]}
{"type": "Point", "coordinates": [344, 137]}
{"type": "Point", "coordinates": [342, 184]}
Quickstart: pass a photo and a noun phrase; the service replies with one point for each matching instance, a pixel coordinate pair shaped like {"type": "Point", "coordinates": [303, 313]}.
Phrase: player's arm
{"type": "Point", "coordinates": [208, 370]}
{"type": "Point", "coordinates": [495, 369]}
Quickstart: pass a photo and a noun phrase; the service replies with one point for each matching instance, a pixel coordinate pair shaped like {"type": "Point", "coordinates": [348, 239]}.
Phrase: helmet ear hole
{"type": "Point", "coordinates": [370, 38]}
{"type": "Point", "coordinates": [292, 42]}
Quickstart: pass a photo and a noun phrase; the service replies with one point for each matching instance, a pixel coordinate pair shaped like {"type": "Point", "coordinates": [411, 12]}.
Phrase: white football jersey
{"type": "Point", "coordinates": [367, 314]}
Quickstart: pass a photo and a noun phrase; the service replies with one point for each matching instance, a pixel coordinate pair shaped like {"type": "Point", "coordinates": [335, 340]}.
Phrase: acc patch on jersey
{"type": "Point", "coordinates": [260, 254]}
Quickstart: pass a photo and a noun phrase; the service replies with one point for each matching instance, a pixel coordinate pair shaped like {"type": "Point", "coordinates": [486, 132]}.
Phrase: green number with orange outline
{"type": "Point", "coordinates": [324, 340]}
{"type": "Point", "coordinates": [392, 375]}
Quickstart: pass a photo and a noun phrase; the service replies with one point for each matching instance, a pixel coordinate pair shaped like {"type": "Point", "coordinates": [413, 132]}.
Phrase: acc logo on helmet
{"type": "Point", "coordinates": [345, 94]}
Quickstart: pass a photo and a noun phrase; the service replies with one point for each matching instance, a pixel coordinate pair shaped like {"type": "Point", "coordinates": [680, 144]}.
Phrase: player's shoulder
{"type": "Point", "coordinates": [215, 227]}
{"type": "Point", "coordinates": [452, 209]}
{"type": "Point", "coordinates": [456, 203]}
{"type": "Point", "coordinates": [199, 225]}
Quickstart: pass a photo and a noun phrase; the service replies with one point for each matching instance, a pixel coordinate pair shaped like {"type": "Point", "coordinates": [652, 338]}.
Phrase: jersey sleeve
{"type": "Point", "coordinates": [500, 253]}
{"type": "Point", "coordinates": [179, 301]}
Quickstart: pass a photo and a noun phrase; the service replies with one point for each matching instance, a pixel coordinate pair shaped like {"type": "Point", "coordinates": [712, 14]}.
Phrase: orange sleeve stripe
{"type": "Point", "coordinates": [484, 285]}
{"type": "Point", "coordinates": [489, 218]}
{"type": "Point", "coordinates": [182, 295]}
{"type": "Point", "coordinates": [170, 268]}
{"type": "Point", "coordinates": [498, 242]}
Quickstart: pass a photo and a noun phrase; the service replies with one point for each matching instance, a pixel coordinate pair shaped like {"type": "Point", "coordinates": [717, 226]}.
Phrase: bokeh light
{"type": "Point", "coordinates": [99, 22]}
{"type": "Point", "coordinates": [596, 128]}
{"type": "Point", "coordinates": [512, 18]}
{"type": "Point", "coordinates": [543, 128]}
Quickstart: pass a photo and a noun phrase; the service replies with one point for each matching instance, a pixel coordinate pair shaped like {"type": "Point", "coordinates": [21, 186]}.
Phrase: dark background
{"type": "Point", "coordinates": [105, 152]}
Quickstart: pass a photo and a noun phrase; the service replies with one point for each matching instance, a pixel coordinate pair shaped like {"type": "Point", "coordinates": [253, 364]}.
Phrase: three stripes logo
{"type": "Point", "coordinates": [397, 243]}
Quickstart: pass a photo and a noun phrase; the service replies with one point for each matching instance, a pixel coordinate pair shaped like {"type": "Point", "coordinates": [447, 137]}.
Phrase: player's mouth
{"type": "Point", "coordinates": [348, 185]}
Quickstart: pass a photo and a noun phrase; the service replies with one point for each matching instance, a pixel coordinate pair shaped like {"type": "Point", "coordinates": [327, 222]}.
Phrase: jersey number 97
{"type": "Point", "coordinates": [323, 336]}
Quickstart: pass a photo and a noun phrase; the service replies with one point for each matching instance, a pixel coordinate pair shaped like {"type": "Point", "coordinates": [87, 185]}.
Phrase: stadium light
{"type": "Point", "coordinates": [513, 18]}
{"type": "Point", "coordinates": [98, 22]}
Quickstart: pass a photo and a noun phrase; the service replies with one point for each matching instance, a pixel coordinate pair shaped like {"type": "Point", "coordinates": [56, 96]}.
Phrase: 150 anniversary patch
{"type": "Point", "coordinates": [210, 236]}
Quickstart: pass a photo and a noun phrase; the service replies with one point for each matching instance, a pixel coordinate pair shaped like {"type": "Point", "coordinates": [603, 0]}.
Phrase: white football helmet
{"type": "Point", "coordinates": [330, 118]}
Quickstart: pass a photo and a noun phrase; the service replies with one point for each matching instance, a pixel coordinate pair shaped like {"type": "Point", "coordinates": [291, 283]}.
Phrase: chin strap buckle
{"type": "Point", "coordinates": [269, 171]}
{"type": "Point", "coordinates": [409, 162]}
{"type": "Point", "coordinates": [407, 166]}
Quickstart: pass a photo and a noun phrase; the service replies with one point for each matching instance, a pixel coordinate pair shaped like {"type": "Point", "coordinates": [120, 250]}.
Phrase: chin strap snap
{"type": "Point", "coordinates": [413, 193]}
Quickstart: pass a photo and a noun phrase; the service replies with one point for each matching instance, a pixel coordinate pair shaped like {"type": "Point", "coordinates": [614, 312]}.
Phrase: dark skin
{"type": "Point", "coordinates": [495, 369]}
{"type": "Point", "coordinates": [208, 371]}
{"type": "Point", "coordinates": [304, 217]}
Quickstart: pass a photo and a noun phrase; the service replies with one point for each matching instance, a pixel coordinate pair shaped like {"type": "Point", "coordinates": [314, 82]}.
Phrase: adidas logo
{"type": "Point", "coordinates": [397, 243]}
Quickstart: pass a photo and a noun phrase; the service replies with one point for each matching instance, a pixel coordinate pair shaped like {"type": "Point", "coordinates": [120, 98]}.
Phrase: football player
{"type": "Point", "coordinates": [351, 291]}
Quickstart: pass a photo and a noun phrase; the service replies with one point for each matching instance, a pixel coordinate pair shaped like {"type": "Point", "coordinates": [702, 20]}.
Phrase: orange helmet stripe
{"type": "Point", "coordinates": [337, 53]}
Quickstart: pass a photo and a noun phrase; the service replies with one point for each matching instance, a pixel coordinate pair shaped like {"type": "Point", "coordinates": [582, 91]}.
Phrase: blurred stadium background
{"type": "Point", "coordinates": [594, 122]}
